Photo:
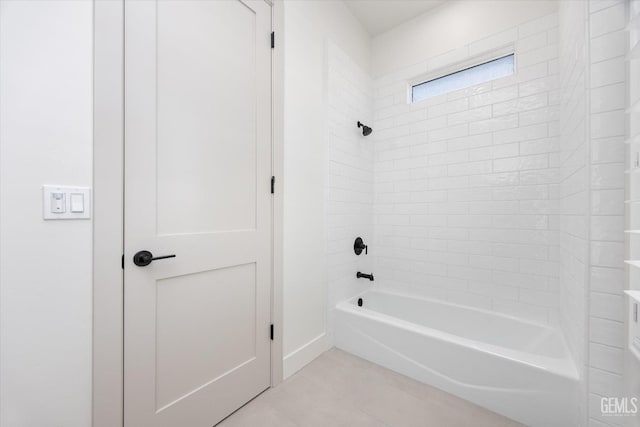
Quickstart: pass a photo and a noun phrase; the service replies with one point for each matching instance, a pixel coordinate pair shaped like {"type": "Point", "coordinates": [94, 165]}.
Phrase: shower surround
{"type": "Point", "coordinates": [466, 183]}
{"type": "Point", "coordinates": [505, 198]}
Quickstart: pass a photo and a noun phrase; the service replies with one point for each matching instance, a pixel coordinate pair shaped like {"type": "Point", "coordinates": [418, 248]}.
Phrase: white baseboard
{"type": "Point", "coordinates": [298, 358]}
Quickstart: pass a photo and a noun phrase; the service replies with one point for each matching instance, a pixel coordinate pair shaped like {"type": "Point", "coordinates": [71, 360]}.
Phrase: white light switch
{"type": "Point", "coordinates": [77, 202]}
{"type": "Point", "coordinates": [66, 202]}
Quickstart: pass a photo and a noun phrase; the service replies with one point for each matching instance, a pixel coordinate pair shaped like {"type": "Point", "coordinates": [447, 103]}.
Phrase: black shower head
{"type": "Point", "coordinates": [366, 130]}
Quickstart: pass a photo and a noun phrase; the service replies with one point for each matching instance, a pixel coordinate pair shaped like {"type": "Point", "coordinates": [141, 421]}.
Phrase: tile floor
{"type": "Point", "coordinates": [339, 389]}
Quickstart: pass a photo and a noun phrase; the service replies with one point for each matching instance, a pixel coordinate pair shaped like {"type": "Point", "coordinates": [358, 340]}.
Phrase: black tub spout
{"type": "Point", "coordinates": [364, 276]}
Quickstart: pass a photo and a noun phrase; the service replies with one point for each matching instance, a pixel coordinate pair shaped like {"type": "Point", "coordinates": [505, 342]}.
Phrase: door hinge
{"type": "Point", "coordinates": [123, 261]}
{"type": "Point", "coordinates": [273, 39]}
{"type": "Point", "coordinates": [273, 184]}
{"type": "Point", "coordinates": [271, 333]}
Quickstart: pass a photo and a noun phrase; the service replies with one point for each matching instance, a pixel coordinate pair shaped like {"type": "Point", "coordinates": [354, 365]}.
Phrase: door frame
{"type": "Point", "coordinates": [108, 228]}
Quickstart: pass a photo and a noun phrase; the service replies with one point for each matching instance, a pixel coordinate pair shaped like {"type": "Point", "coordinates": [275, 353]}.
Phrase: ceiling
{"type": "Point", "coordinates": [378, 16]}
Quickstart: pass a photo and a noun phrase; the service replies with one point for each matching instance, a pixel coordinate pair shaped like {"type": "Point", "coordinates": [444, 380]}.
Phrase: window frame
{"type": "Point", "coordinates": [458, 66]}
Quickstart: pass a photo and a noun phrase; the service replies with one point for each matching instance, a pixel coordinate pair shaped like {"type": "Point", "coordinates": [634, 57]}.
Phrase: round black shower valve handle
{"type": "Point", "coordinates": [359, 246]}
{"type": "Point", "coordinates": [144, 258]}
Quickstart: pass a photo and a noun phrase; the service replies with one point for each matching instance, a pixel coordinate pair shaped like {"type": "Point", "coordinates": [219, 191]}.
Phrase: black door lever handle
{"type": "Point", "coordinates": [144, 258]}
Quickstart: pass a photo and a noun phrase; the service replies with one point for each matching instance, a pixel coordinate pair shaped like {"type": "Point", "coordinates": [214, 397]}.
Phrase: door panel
{"type": "Point", "coordinates": [186, 345]}
{"type": "Point", "coordinates": [206, 93]}
{"type": "Point", "coordinates": [197, 185]}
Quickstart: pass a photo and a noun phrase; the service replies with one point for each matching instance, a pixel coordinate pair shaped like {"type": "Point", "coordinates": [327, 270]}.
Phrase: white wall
{"type": "Point", "coordinates": [592, 197]}
{"type": "Point", "coordinates": [574, 187]}
{"type": "Point", "coordinates": [607, 100]}
{"type": "Point", "coordinates": [465, 182]}
{"type": "Point", "coordinates": [349, 176]}
{"type": "Point", "coordinates": [448, 27]}
{"type": "Point", "coordinates": [45, 267]}
{"type": "Point", "coordinates": [308, 27]}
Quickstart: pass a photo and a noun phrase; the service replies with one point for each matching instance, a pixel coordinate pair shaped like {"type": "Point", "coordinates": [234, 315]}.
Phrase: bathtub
{"type": "Point", "coordinates": [519, 369]}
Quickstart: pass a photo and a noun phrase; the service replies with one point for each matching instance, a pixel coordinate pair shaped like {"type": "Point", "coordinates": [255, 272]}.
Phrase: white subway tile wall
{"type": "Point", "coordinates": [574, 188]}
{"type": "Point", "coordinates": [466, 183]}
{"type": "Point", "coordinates": [607, 158]}
{"type": "Point", "coordinates": [592, 75]}
{"type": "Point", "coordinates": [349, 174]}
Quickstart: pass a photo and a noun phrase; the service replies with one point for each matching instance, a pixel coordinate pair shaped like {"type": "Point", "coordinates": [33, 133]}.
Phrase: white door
{"type": "Point", "coordinates": [197, 186]}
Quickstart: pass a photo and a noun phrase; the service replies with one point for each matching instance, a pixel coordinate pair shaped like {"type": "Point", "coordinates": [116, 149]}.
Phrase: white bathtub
{"type": "Point", "coordinates": [518, 369]}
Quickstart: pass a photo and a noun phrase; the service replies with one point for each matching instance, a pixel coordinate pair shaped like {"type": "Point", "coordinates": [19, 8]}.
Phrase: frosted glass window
{"type": "Point", "coordinates": [480, 73]}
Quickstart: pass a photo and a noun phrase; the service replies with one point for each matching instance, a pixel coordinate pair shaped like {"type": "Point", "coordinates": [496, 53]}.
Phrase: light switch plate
{"type": "Point", "coordinates": [76, 202]}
